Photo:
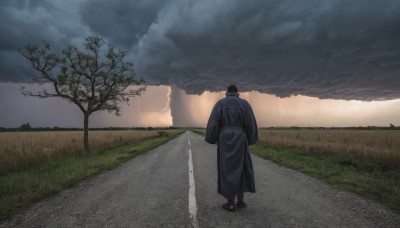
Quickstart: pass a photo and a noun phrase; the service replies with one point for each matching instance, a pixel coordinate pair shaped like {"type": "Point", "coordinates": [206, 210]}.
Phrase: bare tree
{"type": "Point", "coordinates": [96, 78]}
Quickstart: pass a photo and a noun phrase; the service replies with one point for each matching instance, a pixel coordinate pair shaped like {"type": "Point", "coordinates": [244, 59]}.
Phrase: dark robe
{"type": "Point", "coordinates": [233, 127]}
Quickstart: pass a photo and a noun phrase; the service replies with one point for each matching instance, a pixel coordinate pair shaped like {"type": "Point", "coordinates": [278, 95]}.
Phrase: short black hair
{"type": "Point", "coordinates": [232, 89]}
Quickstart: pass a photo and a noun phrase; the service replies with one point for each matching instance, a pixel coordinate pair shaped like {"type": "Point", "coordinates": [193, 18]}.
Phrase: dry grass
{"type": "Point", "coordinates": [378, 146]}
{"type": "Point", "coordinates": [19, 150]}
{"type": "Point", "coordinates": [19, 189]}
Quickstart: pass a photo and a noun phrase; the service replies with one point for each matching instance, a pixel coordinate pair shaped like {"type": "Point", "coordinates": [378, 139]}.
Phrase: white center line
{"type": "Point", "coordinates": [192, 191]}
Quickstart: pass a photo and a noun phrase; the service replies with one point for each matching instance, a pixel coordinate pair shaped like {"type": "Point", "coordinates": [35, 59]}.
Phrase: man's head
{"type": "Point", "coordinates": [232, 89]}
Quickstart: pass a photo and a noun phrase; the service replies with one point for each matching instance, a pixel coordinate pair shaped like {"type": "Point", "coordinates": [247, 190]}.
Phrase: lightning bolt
{"type": "Point", "coordinates": [168, 100]}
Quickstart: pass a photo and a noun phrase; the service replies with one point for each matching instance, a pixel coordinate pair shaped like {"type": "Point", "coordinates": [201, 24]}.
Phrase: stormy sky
{"type": "Point", "coordinates": [303, 49]}
{"type": "Point", "coordinates": [321, 48]}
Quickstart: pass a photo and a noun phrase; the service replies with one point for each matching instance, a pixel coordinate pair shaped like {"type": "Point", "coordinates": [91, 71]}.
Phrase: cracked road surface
{"type": "Point", "coordinates": [152, 190]}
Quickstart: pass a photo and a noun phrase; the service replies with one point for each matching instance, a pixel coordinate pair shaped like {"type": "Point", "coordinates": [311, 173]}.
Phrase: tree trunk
{"type": "Point", "coordinates": [86, 134]}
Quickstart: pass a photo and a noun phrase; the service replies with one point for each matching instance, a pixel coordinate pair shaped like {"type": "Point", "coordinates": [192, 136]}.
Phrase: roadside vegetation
{"type": "Point", "coordinates": [22, 150]}
{"type": "Point", "coordinates": [200, 131]}
{"type": "Point", "coordinates": [377, 146]}
{"type": "Point", "coordinates": [19, 187]}
{"type": "Point", "coordinates": [368, 179]}
{"type": "Point", "coordinates": [366, 162]}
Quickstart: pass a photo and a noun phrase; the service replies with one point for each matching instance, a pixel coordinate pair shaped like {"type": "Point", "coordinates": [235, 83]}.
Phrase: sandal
{"type": "Point", "coordinates": [230, 206]}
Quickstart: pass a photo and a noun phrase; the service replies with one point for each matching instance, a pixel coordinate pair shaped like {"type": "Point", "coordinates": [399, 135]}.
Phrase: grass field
{"type": "Point", "coordinates": [365, 178]}
{"type": "Point", "coordinates": [21, 150]}
{"type": "Point", "coordinates": [361, 161]}
{"type": "Point", "coordinates": [377, 146]}
{"type": "Point", "coordinates": [19, 189]}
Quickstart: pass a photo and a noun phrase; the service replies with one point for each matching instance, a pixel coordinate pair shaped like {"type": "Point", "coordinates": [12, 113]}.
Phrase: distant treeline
{"type": "Point", "coordinates": [391, 127]}
{"type": "Point", "coordinates": [27, 127]}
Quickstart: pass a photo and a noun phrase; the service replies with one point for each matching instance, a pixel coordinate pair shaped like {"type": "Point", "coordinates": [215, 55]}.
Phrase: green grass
{"type": "Point", "coordinates": [200, 131]}
{"type": "Point", "coordinates": [365, 178]}
{"type": "Point", "coordinates": [20, 189]}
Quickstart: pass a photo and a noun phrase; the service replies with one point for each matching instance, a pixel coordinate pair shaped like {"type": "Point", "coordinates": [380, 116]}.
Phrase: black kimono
{"type": "Point", "coordinates": [233, 127]}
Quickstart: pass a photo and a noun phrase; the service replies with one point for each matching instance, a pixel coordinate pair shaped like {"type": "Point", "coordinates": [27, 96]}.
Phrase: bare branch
{"type": "Point", "coordinates": [96, 78]}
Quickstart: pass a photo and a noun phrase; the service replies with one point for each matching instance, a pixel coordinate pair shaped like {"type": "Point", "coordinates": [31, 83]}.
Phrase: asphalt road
{"type": "Point", "coordinates": [153, 190]}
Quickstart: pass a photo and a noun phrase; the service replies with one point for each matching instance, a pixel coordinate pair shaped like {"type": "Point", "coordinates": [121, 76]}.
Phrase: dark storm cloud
{"type": "Point", "coordinates": [322, 48]}
{"type": "Point", "coordinates": [328, 49]}
{"type": "Point", "coordinates": [29, 22]}
{"type": "Point", "coordinates": [123, 21]}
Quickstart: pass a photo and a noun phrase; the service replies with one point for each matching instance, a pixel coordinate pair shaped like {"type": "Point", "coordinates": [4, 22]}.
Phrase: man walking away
{"type": "Point", "coordinates": [233, 127]}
